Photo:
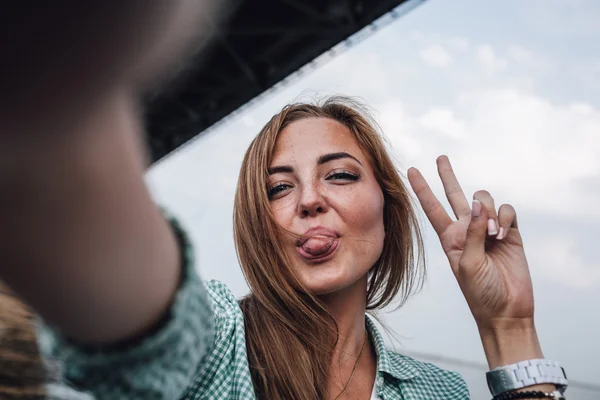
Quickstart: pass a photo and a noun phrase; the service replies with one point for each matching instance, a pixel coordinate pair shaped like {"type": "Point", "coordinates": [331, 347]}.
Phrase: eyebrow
{"type": "Point", "coordinates": [279, 169]}
{"type": "Point", "coordinates": [325, 158]}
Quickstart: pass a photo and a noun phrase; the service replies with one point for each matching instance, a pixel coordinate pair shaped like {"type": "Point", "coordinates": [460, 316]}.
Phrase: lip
{"type": "Point", "coordinates": [317, 231]}
{"type": "Point", "coordinates": [322, 232]}
{"type": "Point", "coordinates": [323, 257]}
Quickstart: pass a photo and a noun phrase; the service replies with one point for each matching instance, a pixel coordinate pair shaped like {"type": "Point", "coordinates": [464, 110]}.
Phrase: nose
{"type": "Point", "coordinates": [311, 202]}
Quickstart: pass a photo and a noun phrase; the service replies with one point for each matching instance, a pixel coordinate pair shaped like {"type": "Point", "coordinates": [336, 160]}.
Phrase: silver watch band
{"type": "Point", "coordinates": [526, 373]}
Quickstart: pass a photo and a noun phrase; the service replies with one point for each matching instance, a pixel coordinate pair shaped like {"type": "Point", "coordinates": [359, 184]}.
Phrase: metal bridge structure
{"type": "Point", "coordinates": [261, 44]}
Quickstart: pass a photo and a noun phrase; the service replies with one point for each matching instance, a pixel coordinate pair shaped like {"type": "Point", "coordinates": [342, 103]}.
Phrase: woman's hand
{"type": "Point", "coordinates": [486, 254]}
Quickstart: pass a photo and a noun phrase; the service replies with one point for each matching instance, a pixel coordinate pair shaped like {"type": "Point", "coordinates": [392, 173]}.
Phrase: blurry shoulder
{"type": "Point", "coordinates": [225, 306]}
{"type": "Point", "coordinates": [221, 296]}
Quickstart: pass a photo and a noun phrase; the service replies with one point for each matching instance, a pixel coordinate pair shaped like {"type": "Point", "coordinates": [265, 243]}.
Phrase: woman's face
{"type": "Point", "coordinates": [322, 187]}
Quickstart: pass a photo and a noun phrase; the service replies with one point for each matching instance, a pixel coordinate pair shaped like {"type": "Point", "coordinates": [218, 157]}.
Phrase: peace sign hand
{"type": "Point", "coordinates": [484, 248]}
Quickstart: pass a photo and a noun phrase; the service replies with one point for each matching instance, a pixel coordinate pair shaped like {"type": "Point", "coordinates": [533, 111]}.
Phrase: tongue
{"type": "Point", "coordinates": [317, 245]}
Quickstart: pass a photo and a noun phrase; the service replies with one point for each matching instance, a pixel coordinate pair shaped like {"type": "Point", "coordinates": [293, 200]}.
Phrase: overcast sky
{"type": "Point", "coordinates": [510, 90]}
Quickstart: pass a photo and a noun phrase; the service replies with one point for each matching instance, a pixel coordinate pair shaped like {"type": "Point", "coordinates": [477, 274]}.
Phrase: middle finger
{"type": "Point", "coordinates": [454, 193]}
{"type": "Point", "coordinates": [487, 201]}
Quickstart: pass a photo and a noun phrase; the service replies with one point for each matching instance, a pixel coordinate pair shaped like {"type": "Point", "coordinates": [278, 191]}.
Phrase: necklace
{"type": "Point", "coordinates": [353, 369]}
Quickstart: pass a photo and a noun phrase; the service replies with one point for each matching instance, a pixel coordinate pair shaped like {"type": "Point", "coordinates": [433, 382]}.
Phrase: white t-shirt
{"type": "Point", "coordinates": [374, 393]}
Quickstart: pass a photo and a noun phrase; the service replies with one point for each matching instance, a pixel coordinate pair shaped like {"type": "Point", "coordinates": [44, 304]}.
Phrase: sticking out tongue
{"type": "Point", "coordinates": [318, 245]}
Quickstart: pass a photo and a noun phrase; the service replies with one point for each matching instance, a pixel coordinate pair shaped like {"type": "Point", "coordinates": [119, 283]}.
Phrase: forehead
{"type": "Point", "coordinates": [312, 137]}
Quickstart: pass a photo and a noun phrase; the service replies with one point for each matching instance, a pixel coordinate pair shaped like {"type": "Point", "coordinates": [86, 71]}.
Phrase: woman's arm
{"type": "Point", "coordinates": [81, 239]}
{"type": "Point", "coordinates": [486, 254]}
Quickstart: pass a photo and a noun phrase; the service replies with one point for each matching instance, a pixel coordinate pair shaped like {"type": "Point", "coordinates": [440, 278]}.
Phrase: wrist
{"type": "Point", "coordinates": [509, 341]}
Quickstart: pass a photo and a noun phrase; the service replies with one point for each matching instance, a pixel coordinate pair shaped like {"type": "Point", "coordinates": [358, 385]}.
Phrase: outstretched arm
{"type": "Point", "coordinates": [81, 239]}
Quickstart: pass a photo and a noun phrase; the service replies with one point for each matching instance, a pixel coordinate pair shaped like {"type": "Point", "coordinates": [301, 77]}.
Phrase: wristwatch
{"type": "Point", "coordinates": [526, 373]}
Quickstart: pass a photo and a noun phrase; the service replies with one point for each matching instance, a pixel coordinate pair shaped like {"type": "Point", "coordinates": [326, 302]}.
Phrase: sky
{"type": "Point", "coordinates": [510, 91]}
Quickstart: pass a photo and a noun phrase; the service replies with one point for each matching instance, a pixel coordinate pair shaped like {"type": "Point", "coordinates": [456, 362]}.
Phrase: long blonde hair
{"type": "Point", "coordinates": [289, 334]}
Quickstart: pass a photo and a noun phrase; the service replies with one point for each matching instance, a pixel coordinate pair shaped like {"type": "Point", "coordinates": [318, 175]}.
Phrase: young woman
{"type": "Point", "coordinates": [324, 229]}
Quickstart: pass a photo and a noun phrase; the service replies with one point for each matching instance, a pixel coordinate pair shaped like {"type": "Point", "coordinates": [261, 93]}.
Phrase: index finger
{"type": "Point", "coordinates": [454, 193]}
{"type": "Point", "coordinates": [434, 210]}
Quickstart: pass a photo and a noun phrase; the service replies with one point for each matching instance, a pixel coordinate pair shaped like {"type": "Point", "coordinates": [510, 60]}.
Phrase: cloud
{"type": "Point", "coordinates": [399, 127]}
{"type": "Point", "coordinates": [588, 72]}
{"type": "Point", "coordinates": [556, 257]}
{"type": "Point", "coordinates": [460, 43]}
{"type": "Point", "coordinates": [527, 58]}
{"type": "Point", "coordinates": [435, 56]}
{"type": "Point", "coordinates": [488, 59]}
{"type": "Point", "coordinates": [249, 122]}
{"type": "Point", "coordinates": [431, 39]}
{"type": "Point", "coordinates": [575, 18]}
{"type": "Point", "coordinates": [367, 74]}
{"type": "Point", "coordinates": [522, 147]}
{"type": "Point", "coordinates": [543, 147]}
{"type": "Point", "coordinates": [540, 156]}
{"type": "Point", "coordinates": [443, 121]}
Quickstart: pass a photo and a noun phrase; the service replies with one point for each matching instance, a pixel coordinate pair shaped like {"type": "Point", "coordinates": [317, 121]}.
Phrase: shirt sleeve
{"type": "Point", "coordinates": [160, 365]}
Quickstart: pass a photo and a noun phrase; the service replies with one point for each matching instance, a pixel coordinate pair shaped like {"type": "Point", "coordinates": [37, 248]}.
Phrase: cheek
{"type": "Point", "coordinates": [373, 228]}
{"type": "Point", "coordinates": [284, 211]}
{"type": "Point", "coordinates": [366, 210]}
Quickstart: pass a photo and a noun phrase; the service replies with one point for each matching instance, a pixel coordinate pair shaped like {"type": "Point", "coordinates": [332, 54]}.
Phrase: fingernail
{"type": "Point", "coordinates": [476, 209]}
{"type": "Point", "coordinates": [492, 228]}
{"type": "Point", "coordinates": [501, 233]}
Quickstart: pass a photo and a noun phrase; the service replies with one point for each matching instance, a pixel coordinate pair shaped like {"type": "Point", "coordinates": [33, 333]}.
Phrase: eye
{"type": "Point", "coordinates": [277, 189]}
{"type": "Point", "coordinates": [342, 176]}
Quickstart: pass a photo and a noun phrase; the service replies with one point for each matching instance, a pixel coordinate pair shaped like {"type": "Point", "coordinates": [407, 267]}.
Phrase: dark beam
{"type": "Point", "coordinates": [264, 42]}
{"type": "Point", "coordinates": [327, 31]}
{"type": "Point", "coordinates": [310, 11]}
{"type": "Point", "coordinates": [239, 60]}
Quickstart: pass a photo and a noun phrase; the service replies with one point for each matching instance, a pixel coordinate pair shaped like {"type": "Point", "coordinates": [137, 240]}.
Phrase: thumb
{"type": "Point", "coordinates": [474, 251]}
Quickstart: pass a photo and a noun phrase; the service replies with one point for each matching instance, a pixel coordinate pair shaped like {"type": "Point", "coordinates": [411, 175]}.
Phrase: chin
{"type": "Point", "coordinates": [323, 288]}
{"type": "Point", "coordinates": [328, 278]}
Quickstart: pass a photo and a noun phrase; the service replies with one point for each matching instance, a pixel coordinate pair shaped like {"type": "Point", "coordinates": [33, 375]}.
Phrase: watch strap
{"type": "Point", "coordinates": [524, 374]}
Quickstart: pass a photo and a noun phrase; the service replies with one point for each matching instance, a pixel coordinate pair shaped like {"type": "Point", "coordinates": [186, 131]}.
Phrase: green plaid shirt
{"type": "Point", "coordinates": [226, 374]}
{"type": "Point", "coordinates": [199, 352]}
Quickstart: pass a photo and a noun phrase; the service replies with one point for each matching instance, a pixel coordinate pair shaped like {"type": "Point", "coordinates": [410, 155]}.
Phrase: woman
{"type": "Point", "coordinates": [324, 230]}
